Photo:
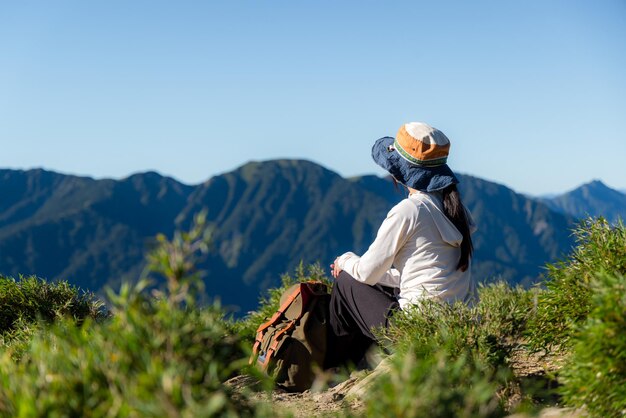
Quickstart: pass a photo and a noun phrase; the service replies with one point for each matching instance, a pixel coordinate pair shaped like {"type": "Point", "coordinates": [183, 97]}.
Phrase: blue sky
{"type": "Point", "coordinates": [531, 94]}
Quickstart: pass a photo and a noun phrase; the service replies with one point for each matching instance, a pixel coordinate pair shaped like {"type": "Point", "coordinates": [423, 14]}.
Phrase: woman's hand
{"type": "Point", "coordinates": [335, 269]}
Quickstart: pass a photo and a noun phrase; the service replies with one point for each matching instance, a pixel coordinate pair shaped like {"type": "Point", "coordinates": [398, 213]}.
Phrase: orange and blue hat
{"type": "Point", "coordinates": [417, 157]}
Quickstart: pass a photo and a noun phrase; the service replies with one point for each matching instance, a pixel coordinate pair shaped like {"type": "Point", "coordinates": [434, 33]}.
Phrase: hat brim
{"type": "Point", "coordinates": [423, 178]}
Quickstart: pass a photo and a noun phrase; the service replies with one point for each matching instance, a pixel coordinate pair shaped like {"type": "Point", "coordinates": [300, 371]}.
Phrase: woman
{"type": "Point", "coordinates": [422, 250]}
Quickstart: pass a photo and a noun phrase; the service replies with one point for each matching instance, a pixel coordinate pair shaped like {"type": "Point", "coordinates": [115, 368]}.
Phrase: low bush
{"type": "Point", "coordinates": [566, 300]}
{"type": "Point", "coordinates": [158, 355]}
{"type": "Point", "coordinates": [488, 328]}
{"type": "Point", "coordinates": [436, 385]}
{"type": "Point", "coordinates": [504, 310]}
{"type": "Point", "coordinates": [594, 377]}
{"type": "Point", "coordinates": [29, 301]}
{"type": "Point", "coordinates": [452, 360]}
{"type": "Point", "coordinates": [152, 358]}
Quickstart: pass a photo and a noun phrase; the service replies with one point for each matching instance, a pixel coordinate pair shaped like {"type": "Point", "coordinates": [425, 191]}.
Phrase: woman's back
{"type": "Point", "coordinates": [427, 262]}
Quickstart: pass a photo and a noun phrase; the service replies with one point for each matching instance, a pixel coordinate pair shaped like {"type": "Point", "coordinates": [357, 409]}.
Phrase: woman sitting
{"type": "Point", "coordinates": [422, 249]}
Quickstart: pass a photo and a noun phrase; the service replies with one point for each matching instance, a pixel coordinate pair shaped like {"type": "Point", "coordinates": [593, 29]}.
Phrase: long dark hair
{"type": "Point", "coordinates": [455, 211]}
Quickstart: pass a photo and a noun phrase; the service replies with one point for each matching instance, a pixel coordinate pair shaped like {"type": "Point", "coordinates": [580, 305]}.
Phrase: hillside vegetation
{"type": "Point", "coordinates": [158, 352]}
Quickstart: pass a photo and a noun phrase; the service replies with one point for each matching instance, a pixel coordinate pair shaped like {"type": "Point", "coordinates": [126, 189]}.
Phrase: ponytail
{"type": "Point", "coordinates": [455, 211]}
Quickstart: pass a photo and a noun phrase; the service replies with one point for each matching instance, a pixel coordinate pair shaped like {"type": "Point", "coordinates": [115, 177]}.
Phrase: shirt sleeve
{"type": "Point", "coordinates": [375, 265]}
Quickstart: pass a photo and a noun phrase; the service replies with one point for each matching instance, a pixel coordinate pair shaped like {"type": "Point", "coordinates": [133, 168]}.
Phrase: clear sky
{"type": "Point", "coordinates": [532, 94]}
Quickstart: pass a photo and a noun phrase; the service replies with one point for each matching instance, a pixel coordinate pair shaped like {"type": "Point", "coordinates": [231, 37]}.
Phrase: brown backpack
{"type": "Point", "coordinates": [294, 339]}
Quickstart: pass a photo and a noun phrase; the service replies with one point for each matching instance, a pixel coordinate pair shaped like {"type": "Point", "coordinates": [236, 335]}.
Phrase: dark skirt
{"type": "Point", "coordinates": [355, 309]}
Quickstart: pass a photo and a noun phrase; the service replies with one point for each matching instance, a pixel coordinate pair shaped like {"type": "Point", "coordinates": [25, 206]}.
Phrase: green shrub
{"type": "Point", "coordinates": [488, 328]}
{"type": "Point", "coordinates": [504, 310]}
{"type": "Point", "coordinates": [436, 385]}
{"type": "Point", "coordinates": [452, 360]}
{"type": "Point", "coordinates": [29, 300]}
{"type": "Point", "coordinates": [153, 358]}
{"type": "Point", "coordinates": [594, 376]}
{"type": "Point", "coordinates": [156, 356]}
{"type": "Point", "coordinates": [566, 301]}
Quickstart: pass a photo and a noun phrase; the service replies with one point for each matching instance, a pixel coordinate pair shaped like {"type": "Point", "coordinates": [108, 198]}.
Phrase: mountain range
{"type": "Point", "coordinates": [267, 218]}
{"type": "Point", "coordinates": [592, 199]}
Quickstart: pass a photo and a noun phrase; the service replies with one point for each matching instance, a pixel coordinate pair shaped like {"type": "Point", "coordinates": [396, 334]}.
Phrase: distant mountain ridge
{"type": "Point", "coordinates": [88, 231]}
{"type": "Point", "coordinates": [591, 199]}
{"type": "Point", "coordinates": [268, 216]}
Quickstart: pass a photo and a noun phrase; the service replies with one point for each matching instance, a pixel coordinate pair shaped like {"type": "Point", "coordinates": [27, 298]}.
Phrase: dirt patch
{"type": "Point", "coordinates": [527, 363]}
{"type": "Point", "coordinates": [316, 402]}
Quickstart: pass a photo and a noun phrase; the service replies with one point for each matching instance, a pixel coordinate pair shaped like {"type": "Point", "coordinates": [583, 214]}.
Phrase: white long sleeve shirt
{"type": "Point", "coordinates": [416, 249]}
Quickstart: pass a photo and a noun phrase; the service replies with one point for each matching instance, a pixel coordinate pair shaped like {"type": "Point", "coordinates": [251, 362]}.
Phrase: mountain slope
{"type": "Point", "coordinates": [591, 199]}
{"type": "Point", "coordinates": [270, 216]}
{"type": "Point", "coordinates": [90, 232]}
{"type": "Point", "coordinates": [516, 235]}
{"type": "Point", "coordinates": [267, 217]}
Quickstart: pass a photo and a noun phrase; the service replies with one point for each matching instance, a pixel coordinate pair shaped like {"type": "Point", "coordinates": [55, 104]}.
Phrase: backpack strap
{"type": "Point", "coordinates": [274, 319]}
{"type": "Point", "coordinates": [303, 288]}
{"type": "Point", "coordinates": [274, 347]}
